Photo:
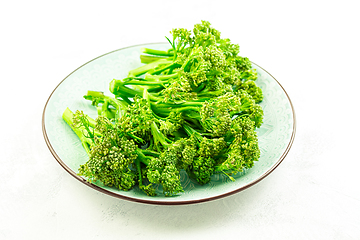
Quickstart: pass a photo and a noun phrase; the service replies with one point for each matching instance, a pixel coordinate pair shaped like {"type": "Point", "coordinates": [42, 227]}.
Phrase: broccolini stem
{"type": "Point", "coordinates": [155, 84]}
{"type": "Point", "coordinates": [150, 153]}
{"type": "Point", "coordinates": [147, 67]}
{"type": "Point", "coordinates": [157, 52]}
{"type": "Point", "coordinates": [148, 59]}
{"type": "Point", "coordinates": [105, 111]}
{"type": "Point", "coordinates": [169, 66]}
{"type": "Point", "coordinates": [187, 108]}
{"type": "Point", "coordinates": [192, 132]}
{"type": "Point", "coordinates": [118, 88]}
{"type": "Point", "coordinates": [149, 76]}
{"type": "Point", "coordinates": [142, 157]}
{"type": "Point", "coordinates": [158, 136]}
{"type": "Point", "coordinates": [138, 168]}
{"type": "Point", "coordinates": [205, 93]}
{"type": "Point", "coordinates": [230, 177]}
{"type": "Point", "coordinates": [86, 142]}
{"type": "Point", "coordinates": [145, 81]}
{"type": "Point", "coordinates": [192, 121]}
{"type": "Point", "coordinates": [200, 87]}
{"type": "Point", "coordinates": [126, 99]}
{"type": "Point", "coordinates": [118, 104]}
{"type": "Point", "coordinates": [180, 105]}
{"type": "Point", "coordinates": [166, 110]}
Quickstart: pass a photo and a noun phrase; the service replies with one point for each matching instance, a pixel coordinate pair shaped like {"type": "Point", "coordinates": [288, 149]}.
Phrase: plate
{"type": "Point", "coordinates": [276, 135]}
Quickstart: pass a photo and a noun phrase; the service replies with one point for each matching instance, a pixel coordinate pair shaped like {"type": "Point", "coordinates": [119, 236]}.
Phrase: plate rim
{"type": "Point", "coordinates": [170, 202]}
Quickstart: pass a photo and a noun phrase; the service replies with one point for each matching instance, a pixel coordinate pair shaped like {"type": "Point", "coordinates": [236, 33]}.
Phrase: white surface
{"type": "Point", "coordinates": [310, 47]}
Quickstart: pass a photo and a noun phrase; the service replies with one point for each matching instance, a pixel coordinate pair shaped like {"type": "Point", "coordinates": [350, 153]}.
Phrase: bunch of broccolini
{"type": "Point", "coordinates": [192, 108]}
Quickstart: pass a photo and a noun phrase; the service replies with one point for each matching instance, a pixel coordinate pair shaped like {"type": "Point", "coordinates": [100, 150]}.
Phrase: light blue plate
{"type": "Point", "coordinates": [276, 135]}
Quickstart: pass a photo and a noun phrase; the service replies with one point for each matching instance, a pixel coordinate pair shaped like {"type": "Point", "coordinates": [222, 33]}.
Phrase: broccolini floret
{"type": "Point", "coordinates": [243, 150]}
{"type": "Point", "coordinates": [110, 153]}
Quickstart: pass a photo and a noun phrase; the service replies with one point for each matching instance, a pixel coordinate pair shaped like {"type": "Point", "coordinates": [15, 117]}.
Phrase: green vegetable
{"type": "Point", "coordinates": [193, 108]}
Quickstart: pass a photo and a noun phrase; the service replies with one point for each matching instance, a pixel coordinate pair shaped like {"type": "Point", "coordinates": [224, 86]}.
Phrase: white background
{"type": "Point", "coordinates": [310, 47]}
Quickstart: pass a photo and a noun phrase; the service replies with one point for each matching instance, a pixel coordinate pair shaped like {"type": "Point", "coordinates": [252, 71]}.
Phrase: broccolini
{"type": "Point", "coordinates": [192, 108]}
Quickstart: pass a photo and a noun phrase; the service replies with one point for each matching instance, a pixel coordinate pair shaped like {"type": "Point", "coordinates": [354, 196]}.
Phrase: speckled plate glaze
{"type": "Point", "coordinates": [276, 135]}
